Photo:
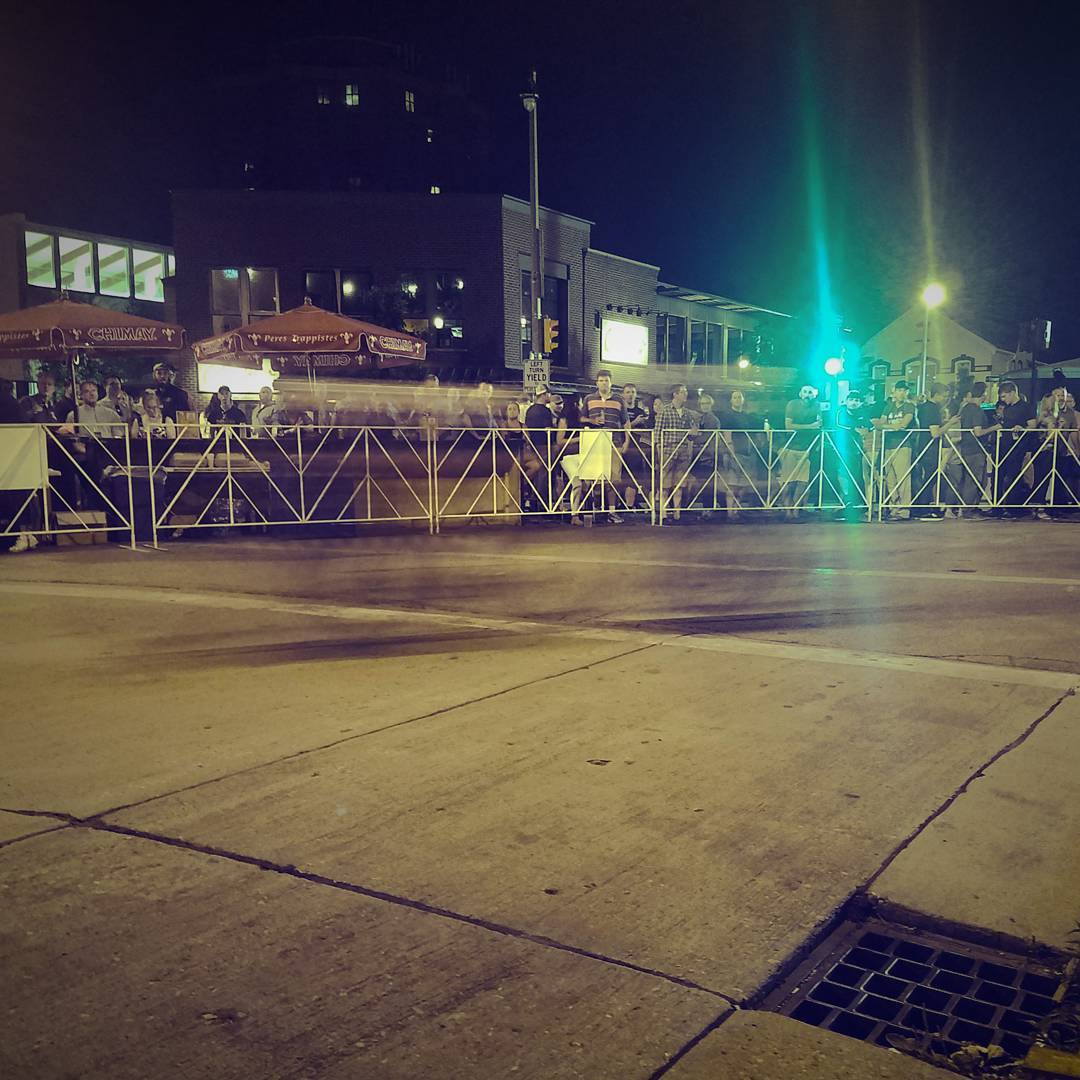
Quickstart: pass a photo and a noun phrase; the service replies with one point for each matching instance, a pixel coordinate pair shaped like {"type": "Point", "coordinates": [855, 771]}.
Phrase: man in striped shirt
{"type": "Point", "coordinates": [604, 410]}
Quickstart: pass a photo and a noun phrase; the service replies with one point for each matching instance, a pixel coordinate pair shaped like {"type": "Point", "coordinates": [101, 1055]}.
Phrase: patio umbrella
{"type": "Point", "coordinates": [64, 328]}
{"type": "Point", "coordinates": [307, 338]}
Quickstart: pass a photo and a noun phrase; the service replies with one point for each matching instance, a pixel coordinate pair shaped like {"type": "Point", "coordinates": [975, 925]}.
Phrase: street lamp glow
{"type": "Point", "coordinates": [744, 362]}
{"type": "Point", "coordinates": [438, 322]}
{"type": "Point", "coordinates": [834, 365]}
{"type": "Point", "coordinates": [933, 295]}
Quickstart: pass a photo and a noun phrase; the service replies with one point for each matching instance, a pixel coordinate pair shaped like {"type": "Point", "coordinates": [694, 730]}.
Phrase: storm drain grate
{"type": "Point", "coordinates": [874, 979]}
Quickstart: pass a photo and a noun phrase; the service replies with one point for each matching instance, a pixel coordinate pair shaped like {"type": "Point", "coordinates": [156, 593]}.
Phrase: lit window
{"type": "Point", "coordinates": [410, 101]}
{"type": "Point", "coordinates": [435, 189]}
{"type": "Point", "coordinates": [430, 135]}
{"type": "Point", "coordinates": [412, 292]}
{"type": "Point", "coordinates": [352, 93]}
{"type": "Point", "coordinates": [249, 166]}
{"type": "Point", "coordinates": [149, 271]}
{"type": "Point", "coordinates": [40, 269]}
{"type": "Point", "coordinates": [321, 287]}
{"type": "Point", "coordinates": [76, 265]}
{"type": "Point", "coordinates": [170, 265]}
{"type": "Point", "coordinates": [114, 270]}
{"type": "Point", "coordinates": [322, 96]}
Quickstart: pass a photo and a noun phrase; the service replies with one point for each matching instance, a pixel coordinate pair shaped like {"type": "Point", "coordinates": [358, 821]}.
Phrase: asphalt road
{"type": "Point", "coordinates": [515, 802]}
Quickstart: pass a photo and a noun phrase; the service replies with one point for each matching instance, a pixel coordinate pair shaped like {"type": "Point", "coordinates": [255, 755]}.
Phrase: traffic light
{"type": "Point", "coordinates": [551, 335]}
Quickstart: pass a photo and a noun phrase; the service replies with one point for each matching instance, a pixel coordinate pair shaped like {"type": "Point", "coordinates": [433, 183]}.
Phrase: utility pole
{"type": "Point", "coordinates": [531, 100]}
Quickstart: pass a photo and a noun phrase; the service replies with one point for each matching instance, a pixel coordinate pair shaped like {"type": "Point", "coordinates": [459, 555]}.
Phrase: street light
{"type": "Point", "coordinates": [833, 366]}
{"type": "Point", "coordinates": [932, 296]}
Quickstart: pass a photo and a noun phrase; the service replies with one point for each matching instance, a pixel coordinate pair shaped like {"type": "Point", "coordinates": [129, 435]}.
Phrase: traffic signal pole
{"type": "Point", "coordinates": [530, 101]}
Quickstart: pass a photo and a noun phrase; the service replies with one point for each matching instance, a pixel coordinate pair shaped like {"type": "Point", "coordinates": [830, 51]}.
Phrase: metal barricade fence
{"type": "Point", "coordinates": [57, 481]}
{"type": "Point", "coordinates": [330, 476]}
{"type": "Point", "coordinates": [72, 482]}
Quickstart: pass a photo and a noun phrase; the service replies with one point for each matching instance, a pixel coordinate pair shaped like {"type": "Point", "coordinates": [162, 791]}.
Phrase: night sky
{"type": "Point", "coordinates": [801, 156]}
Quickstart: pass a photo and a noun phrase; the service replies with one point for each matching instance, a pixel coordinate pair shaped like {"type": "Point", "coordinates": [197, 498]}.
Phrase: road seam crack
{"type": "Point", "coordinates": [97, 824]}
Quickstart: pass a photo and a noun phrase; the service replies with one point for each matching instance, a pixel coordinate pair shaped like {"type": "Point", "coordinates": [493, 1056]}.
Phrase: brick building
{"type": "Point", "coordinates": [453, 268]}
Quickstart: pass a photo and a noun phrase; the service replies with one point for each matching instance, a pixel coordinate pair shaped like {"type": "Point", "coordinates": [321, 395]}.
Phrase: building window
{"type": "Point", "coordinates": [240, 294]}
{"type": "Point", "coordinates": [320, 287]}
{"type": "Point", "coordinates": [76, 264]}
{"type": "Point", "coordinates": [352, 94]}
{"type": "Point", "coordinates": [412, 291]}
{"type": "Point", "coordinates": [435, 189]}
{"type": "Point", "coordinates": [149, 267]}
{"type": "Point", "coordinates": [410, 101]}
{"type": "Point", "coordinates": [554, 305]}
{"type": "Point", "coordinates": [170, 265]}
{"type": "Point", "coordinates": [322, 96]}
{"type": "Point", "coordinates": [661, 339]}
{"type": "Point", "coordinates": [262, 291]}
{"type": "Point", "coordinates": [114, 270]}
{"type": "Point", "coordinates": [357, 297]}
{"type": "Point", "coordinates": [430, 135]}
{"type": "Point", "coordinates": [449, 293]}
{"type": "Point", "coordinates": [40, 267]}
{"type": "Point", "coordinates": [879, 372]}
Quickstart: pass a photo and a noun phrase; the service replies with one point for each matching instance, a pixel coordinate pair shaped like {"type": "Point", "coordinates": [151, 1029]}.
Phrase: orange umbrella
{"type": "Point", "coordinates": [311, 339]}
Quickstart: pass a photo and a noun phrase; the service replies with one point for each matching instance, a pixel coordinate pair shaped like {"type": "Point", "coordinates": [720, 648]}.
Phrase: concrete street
{"type": "Point", "coordinates": [513, 802]}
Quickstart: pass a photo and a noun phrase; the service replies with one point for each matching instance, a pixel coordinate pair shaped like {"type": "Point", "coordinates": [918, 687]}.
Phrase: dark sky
{"type": "Point", "coordinates": [740, 146]}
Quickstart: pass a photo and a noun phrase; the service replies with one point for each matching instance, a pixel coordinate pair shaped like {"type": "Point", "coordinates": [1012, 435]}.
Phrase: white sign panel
{"type": "Point", "coordinates": [23, 463]}
{"type": "Point", "coordinates": [536, 373]}
{"type": "Point", "coordinates": [624, 343]}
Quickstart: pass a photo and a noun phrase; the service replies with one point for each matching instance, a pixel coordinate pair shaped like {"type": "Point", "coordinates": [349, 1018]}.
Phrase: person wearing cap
{"type": "Point", "coordinates": [802, 418]}
{"type": "Point", "coordinates": [895, 420]}
{"type": "Point", "coordinates": [223, 410]}
{"type": "Point", "coordinates": [853, 428]}
{"type": "Point", "coordinates": [174, 399]}
{"type": "Point", "coordinates": [1055, 416]}
{"type": "Point", "coordinates": [536, 449]}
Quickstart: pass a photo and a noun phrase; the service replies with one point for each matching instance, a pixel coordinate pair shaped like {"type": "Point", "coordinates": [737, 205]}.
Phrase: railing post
{"type": "Point", "coordinates": [130, 484]}
{"type": "Point", "coordinates": [153, 494]}
{"type": "Point", "coordinates": [1053, 469]}
{"type": "Point", "coordinates": [432, 508]}
{"type": "Point", "coordinates": [300, 474]}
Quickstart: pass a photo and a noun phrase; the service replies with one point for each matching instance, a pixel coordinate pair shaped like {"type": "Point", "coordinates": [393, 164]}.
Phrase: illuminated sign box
{"type": "Point", "coordinates": [624, 343]}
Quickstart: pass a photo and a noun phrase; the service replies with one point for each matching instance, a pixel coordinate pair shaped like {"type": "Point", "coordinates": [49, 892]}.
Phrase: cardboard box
{"type": "Point", "coordinates": [84, 521]}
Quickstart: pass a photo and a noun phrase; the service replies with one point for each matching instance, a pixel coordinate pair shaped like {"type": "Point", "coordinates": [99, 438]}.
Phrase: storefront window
{"type": "Point", "coordinates": [734, 344]}
{"type": "Point", "coordinates": [40, 269]}
{"type": "Point", "coordinates": [76, 265]}
{"type": "Point", "coordinates": [714, 343]}
{"type": "Point", "coordinates": [114, 270]}
{"type": "Point", "coordinates": [676, 329]}
{"type": "Point", "coordinates": [149, 270]}
{"type": "Point", "coordinates": [697, 342]}
{"type": "Point", "coordinates": [661, 339]}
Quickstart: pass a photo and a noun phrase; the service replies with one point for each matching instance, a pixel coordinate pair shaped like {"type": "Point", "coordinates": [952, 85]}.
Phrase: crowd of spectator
{"type": "Point", "coordinates": [909, 456]}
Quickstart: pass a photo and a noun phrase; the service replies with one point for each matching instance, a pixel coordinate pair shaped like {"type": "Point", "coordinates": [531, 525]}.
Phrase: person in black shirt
{"type": "Point", "coordinates": [222, 409]}
{"type": "Point", "coordinates": [1017, 418]}
{"type": "Point", "coordinates": [173, 398]}
{"type": "Point", "coordinates": [536, 453]}
{"type": "Point", "coordinates": [966, 474]}
{"type": "Point", "coordinates": [930, 420]}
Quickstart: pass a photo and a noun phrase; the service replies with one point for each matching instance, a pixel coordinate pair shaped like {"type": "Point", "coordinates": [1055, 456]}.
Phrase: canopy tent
{"type": "Point", "coordinates": [309, 340]}
{"type": "Point", "coordinates": [66, 328]}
